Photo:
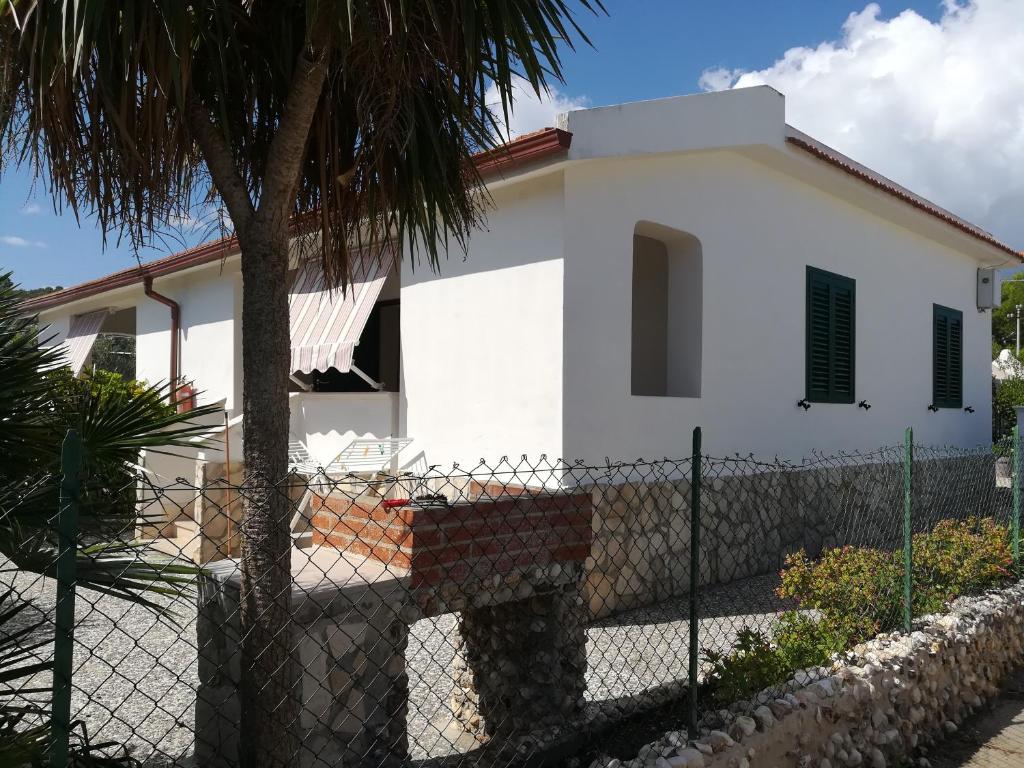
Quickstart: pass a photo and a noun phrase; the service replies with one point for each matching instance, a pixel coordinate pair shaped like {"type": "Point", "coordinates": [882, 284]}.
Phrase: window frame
{"type": "Point", "coordinates": [811, 393]}
{"type": "Point", "coordinates": [939, 310]}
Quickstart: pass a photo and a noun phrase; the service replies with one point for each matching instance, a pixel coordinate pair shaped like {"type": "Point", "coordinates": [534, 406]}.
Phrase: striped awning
{"type": "Point", "coordinates": [81, 336]}
{"type": "Point", "coordinates": [326, 324]}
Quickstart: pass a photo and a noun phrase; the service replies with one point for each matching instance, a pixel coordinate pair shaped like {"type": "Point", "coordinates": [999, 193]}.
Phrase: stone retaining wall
{"type": "Point", "coordinates": [513, 568]}
{"type": "Point", "coordinates": [353, 688]}
{"type": "Point", "coordinates": [521, 665]}
{"type": "Point", "coordinates": [881, 704]}
{"type": "Point", "coordinates": [751, 520]}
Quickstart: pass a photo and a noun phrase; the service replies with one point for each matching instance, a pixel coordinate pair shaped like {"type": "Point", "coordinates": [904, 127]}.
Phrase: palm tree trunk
{"type": "Point", "coordinates": [268, 693]}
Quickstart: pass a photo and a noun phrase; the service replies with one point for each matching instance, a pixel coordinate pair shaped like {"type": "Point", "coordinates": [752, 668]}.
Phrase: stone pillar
{"type": "Point", "coordinates": [350, 647]}
{"type": "Point", "coordinates": [524, 662]}
{"type": "Point", "coordinates": [217, 511]}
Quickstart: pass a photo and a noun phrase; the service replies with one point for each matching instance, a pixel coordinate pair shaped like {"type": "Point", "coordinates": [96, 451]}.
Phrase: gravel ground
{"type": "Point", "coordinates": [135, 672]}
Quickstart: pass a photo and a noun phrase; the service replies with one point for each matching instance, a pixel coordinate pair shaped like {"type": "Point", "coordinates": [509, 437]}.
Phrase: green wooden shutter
{"type": "Point", "coordinates": [947, 357]}
{"type": "Point", "coordinates": [831, 339]}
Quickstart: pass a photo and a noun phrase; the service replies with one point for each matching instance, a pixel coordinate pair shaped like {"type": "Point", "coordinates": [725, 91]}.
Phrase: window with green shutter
{"type": "Point", "coordinates": [831, 321]}
{"type": "Point", "coordinates": [947, 357]}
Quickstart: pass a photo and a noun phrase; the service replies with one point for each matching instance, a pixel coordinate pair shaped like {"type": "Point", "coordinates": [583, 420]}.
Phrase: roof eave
{"type": "Point", "coordinates": [852, 168]}
{"type": "Point", "coordinates": [545, 144]}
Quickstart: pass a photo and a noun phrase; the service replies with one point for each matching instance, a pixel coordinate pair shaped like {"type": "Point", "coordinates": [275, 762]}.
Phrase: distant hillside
{"type": "Point", "coordinates": [28, 293]}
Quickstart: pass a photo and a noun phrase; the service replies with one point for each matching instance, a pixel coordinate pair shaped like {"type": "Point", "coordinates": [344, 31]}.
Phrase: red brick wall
{"type": "Point", "coordinates": [462, 542]}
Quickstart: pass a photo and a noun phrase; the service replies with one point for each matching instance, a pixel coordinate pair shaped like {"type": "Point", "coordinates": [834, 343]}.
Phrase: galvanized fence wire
{"type": "Point", "coordinates": [489, 614]}
{"type": "Point", "coordinates": [754, 516]}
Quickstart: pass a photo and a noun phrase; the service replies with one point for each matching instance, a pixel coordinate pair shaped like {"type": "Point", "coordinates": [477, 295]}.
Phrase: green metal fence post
{"type": "Point", "coordinates": [64, 637]}
{"type": "Point", "coordinates": [695, 481]}
{"type": "Point", "coordinates": [1015, 515]}
{"type": "Point", "coordinates": [908, 539]}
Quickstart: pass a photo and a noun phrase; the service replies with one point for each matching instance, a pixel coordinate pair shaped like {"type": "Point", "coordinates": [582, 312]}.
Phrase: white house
{"type": "Point", "coordinates": [647, 268]}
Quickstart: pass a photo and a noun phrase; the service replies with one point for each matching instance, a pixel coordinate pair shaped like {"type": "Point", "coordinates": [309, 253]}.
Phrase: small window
{"type": "Point", "coordinates": [831, 323]}
{"type": "Point", "coordinates": [947, 357]}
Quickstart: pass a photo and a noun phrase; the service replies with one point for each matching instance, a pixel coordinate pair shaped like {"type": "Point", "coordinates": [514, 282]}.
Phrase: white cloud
{"type": "Point", "coordinates": [531, 112]}
{"type": "Point", "coordinates": [185, 222]}
{"type": "Point", "coordinates": [203, 219]}
{"type": "Point", "coordinates": [31, 209]}
{"type": "Point", "coordinates": [21, 242]}
{"type": "Point", "coordinates": [936, 106]}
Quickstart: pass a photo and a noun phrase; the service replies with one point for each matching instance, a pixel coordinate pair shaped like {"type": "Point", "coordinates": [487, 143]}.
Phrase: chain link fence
{"type": "Point", "coordinates": [516, 613]}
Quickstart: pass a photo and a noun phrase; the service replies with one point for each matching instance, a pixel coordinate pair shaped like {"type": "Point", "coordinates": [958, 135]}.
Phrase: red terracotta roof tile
{"type": "Point", "coordinates": [880, 182]}
{"type": "Point", "coordinates": [523, 149]}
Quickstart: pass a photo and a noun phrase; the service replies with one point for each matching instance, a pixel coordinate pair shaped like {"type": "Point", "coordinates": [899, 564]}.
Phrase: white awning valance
{"type": "Point", "coordinates": [326, 324]}
{"type": "Point", "coordinates": [81, 336]}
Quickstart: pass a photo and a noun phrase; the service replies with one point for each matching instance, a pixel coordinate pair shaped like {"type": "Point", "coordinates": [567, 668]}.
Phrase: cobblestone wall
{"type": "Point", "coordinates": [521, 665]}
{"type": "Point", "coordinates": [750, 521]}
{"type": "Point", "coordinates": [350, 645]}
{"type": "Point", "coordinates": [881, 704]}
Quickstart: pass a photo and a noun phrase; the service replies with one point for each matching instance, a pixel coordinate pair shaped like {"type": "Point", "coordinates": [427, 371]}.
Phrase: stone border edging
{"type": "Point", "coordinates": [881, 703]}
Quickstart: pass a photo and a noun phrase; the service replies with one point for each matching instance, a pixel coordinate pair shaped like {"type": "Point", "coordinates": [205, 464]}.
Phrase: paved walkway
{"type": "Point", "coordinates": [993, 738]}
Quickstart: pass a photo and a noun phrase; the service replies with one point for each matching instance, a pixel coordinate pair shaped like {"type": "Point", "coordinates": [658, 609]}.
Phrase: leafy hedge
{"type": "Point", "coordinates": [1006, 395]}
{"type": "Point", "coordinates": [106, 484]}
{"type": "Point", "coordinates": [850, 594]}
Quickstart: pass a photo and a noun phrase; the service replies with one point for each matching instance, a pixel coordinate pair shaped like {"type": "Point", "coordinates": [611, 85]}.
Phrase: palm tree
{"type": "Point", "coordinates": [356, 119]}
{"type": "Point", "coordinates": [114, 426]}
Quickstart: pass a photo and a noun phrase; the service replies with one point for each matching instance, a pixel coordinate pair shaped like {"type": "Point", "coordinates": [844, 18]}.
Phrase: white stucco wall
{"type": "Point", "coordinates": [759, 229]}
{"type": "Point", "coordinates": [482, 345]}
{"type": "Point", "coordinates": [328, 421]}
{"type": "Point", "coordinates": [209, 354]}
{"type": "Point", "coordinates": [739, 117]}
{"type": "Point", "coordinates": [522, 345]}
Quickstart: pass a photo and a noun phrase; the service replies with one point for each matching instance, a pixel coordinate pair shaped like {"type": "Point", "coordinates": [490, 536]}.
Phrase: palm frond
{"type": "Point", "coordinates": [134, 573]}
{"type": "Point", "coordinates": [19, 641]}
{"type": "Point", "coordinates": [98, 94]}
{"type": "Point", "coordinates": [37, 407]}
{"type": "Point", "coordinates": [20, 744]}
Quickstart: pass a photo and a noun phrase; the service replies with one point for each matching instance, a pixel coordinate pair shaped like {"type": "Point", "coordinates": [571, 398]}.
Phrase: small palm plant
{"type": "Point", "coordinates": [114, 425]}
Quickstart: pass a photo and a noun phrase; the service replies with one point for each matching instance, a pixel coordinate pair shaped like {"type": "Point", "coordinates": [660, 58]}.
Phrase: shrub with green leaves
{"type": "Point", "coordinates": [1006, 395]}
{"type": "Point", "coordinates": [73, 398]}
{"type": "Point", "coordinates": [959, 557]}
{"type": "Point", "coordinates": [757, 662]}
{"type": "Point", "coordinates": [752, 665]}
{"type": "Point", "coordinates": [857, 592]}
{"type": "Point", "coordinates": [804, 641]}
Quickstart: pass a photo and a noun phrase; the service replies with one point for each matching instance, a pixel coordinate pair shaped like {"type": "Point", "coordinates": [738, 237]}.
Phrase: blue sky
{"type": "Point", "coordinates": [650, 48]}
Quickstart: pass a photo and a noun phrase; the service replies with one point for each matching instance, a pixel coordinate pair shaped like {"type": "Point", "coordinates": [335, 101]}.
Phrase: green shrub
{"type": "Point", "coordinates": [857, 590]}
{"type": "Point", "coordinates": [804, 641]}
{"type": "Point", "coordinates": [1005, 395]}
{"type": "Point", "coordinates": [107, 485]}
{"type": "Point", "coordinates": [857, 593]}
{"type": "Point", "coordinates": [756, 663]}
{"type": "Point", "coordinates": [71, 391]}
{"type": "Point", "coordinates": [752, 665]}
{"type": "Point", "coordinates": [959, 558]}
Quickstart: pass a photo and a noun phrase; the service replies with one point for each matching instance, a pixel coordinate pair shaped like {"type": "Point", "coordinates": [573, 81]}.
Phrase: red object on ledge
{"type": "Point", "coordinates": [185, 398]}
